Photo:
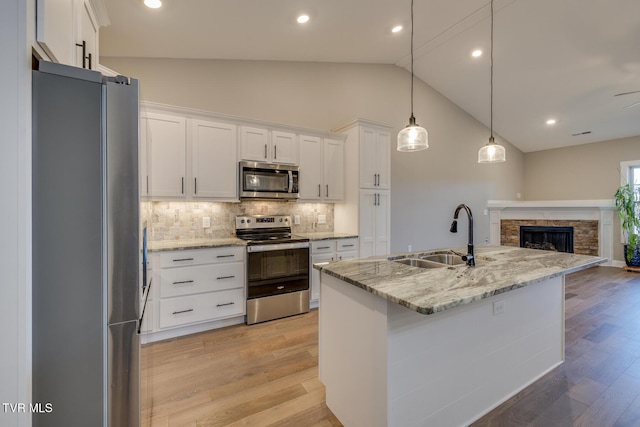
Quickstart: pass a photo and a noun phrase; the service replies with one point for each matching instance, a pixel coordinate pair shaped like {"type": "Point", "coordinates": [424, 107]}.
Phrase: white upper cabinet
{"type": "Point", "coordinates": [166, 147]}
{"type": "Point", "coordinates": [284, 147]}
{"type": "Point", "coordinates": [333, 165]}
{"type": "Point", "coordinates": [67, 30]}
{"type": "Point", "coordinates": [86, 37]}
{"type": "Point", "coordinates": [375, 160]}
{"type": "Point", "coordinates": [213, 160]}
{"type": "Point", "coordinates": [261, 145]}
{"type": "Point", "coordinates": [321, 169]}
{"type": "Point", "coordinates": [310, 181]}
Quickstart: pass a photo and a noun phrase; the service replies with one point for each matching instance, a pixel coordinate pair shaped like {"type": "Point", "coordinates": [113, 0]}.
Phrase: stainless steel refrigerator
{"type": "Point", "coordinates": [85, 248]}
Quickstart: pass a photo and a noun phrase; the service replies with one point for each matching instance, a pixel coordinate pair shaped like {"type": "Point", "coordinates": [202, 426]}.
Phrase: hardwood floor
{"type": "Point", "coordinates": [266, 374]}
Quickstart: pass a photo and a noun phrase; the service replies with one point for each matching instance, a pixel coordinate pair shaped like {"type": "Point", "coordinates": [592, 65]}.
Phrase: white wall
{"type": "Point", "coordinates": [426, 186]}
{"type": "Point", "coordinates": [15, 219]}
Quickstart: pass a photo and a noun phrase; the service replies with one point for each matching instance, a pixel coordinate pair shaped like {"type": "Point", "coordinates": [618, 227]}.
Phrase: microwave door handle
{"type": "Point", "coordinates": [290, 189]}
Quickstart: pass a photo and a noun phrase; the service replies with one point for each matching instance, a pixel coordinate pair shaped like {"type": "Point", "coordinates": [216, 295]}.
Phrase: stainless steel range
{"type": "Point", "coordinates": [277, 268]}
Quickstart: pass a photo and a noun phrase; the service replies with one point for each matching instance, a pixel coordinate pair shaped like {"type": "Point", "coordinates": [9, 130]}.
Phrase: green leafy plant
{"type": "Point", "coordinates": [629, 212]}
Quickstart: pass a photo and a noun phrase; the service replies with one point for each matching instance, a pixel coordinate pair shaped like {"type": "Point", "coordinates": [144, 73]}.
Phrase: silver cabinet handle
{"type": "Point", "coordinates": [147, 184]}
{"type": "Point", "coordinates": [348, 246]}
{"type": "Point", "coordinates": [183, 282]}
{"type": "Point", "coordinates": [225, 256]}
{"type": "Point", "coordinates": [324, 247]}
{"type": "Point", "coordinates": [195, 185]}
{"type": "Point", "coordinates": [224, 277]}
{"type": "Point", "coordinates": [318, 190]}
{"type": "Point", "coordinates": [265, 151]}
{"type": "Point", "coordinates": [182, 185]}
{"type": "Point", "coordinates": [226, 303]}
{"type": "Point", "coordinates": [327, 190]}
{"type": "Point", "coordinates": [183, 259]}
{"type": "Point", "coordinates": [275, 151]}
{"type": "Point", "coordinates": [183, 311]}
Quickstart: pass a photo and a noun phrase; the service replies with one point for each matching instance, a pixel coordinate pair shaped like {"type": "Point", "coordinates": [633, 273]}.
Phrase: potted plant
{"type": "Point", "coordinates": [628, 207]}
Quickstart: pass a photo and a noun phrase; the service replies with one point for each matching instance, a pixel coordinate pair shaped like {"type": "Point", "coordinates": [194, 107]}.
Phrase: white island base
{"type": "Point", "coordinates": [386, 365]}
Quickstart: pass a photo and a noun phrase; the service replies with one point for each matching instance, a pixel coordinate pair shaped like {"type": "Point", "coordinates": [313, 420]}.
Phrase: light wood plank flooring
{"type": "Point", "coordinates": [266, 374]}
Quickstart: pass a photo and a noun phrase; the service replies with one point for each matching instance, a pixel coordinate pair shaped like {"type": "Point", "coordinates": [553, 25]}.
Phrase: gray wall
{"type": "Point", "coordinates": [426, 186]}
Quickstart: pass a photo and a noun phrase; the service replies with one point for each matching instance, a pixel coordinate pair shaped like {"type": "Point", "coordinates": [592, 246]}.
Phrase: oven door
{"type": "Point", "coordinates": [277, 269]}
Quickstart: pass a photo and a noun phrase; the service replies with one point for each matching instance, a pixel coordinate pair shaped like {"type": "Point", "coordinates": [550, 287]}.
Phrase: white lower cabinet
{"type": "Point", "coordinates": [326, 251]}
{"type": "Point", "coordinates": [374, 223]}
{"type": "Point", "coordinates": [195, 290]}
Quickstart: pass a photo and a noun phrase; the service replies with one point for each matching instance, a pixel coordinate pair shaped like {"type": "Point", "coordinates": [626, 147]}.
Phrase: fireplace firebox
{"type": "Point", "coordinates": [550, 238]}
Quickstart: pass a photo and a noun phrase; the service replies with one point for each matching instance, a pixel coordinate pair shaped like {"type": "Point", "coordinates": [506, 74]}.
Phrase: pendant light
{"type": "Point", "coordinates": [412, 137]}
{"type": "Point", "coordinates": [491, 152]}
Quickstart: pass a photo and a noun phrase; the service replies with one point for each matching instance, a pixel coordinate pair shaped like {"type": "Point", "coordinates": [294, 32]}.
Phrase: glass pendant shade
{"type": "Point", "coordinates": [492, 153]}
{"type": "Point", "coordinates": [413, 137]}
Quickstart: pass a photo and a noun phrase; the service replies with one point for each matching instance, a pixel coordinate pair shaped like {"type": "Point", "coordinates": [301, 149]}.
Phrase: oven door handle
{"type": "Point", "coordinates": [277, 247]}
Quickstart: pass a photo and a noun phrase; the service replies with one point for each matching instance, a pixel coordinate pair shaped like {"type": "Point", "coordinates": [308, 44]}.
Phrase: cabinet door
{"type": "Point", "coordinates": [333, 169]}
{"type": "Point", "coordinates": [213, 160]}
{"type": "Point", "coordinates": [166, 155]}
{"type": "Point", "coordinates": [374, 223]}
{"type": "Point", "coordinates": [368, 158]}
{"type": "Point", "coordinates": [87, 34]}
{"type": "Point", "coordinates": [382, 225]}
{"type": "Point", "coordinates": [367, 228]}
{"type": "Point", "coordinates": [310, 181]}
{"type": "Point", "coordinates": [284, 147]}
{"type": "Point", "coordinates": [254, 144]}
{"type": "Point", "coordinates": [315, 274]}
{"type": "Point", "coordinates": [54, 29]}
{"type": "Point", "coordinates": [383, 159]}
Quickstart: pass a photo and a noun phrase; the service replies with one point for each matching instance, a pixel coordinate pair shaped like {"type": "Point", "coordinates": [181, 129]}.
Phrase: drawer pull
{"type": "Point", "coordinates": [183, 282]}
{"type": "Point", "coordinates": [183, 311]}
{"type": "Point", "coordinates": [324, 247]}
{"type": "Point", "coordinates": [183, 259]}
{"type": "Point", "coordinates": [348, 246]}
{"type": "Point", "coordinates": [225, 277]}
{"type": "Point", "coordinates": [226, 303]}
{"type": "Point", "coordinates": [225, 256]}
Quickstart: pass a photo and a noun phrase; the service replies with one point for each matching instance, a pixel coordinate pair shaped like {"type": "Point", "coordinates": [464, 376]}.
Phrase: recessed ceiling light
{"type": "Point", "coordinates": [396, 29]}
{"type": "Point", "coordinates": [153, 4]}
{"type": "Point", "coordinates": [302, 19]}
{"type": "Point", "coordinates": [476, 53]}
{"type": "Point", "coordinates": [551, 121]}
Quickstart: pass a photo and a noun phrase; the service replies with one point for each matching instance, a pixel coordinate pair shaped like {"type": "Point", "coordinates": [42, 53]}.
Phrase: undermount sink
{"type": "Point", "coordinates": [422, 263]}
{"type": "Point", "coordinates": [448, 259]}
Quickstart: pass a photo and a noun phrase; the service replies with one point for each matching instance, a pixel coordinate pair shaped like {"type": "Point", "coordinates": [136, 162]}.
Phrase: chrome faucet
{"type": "Point", "coordinates": [469, 257]}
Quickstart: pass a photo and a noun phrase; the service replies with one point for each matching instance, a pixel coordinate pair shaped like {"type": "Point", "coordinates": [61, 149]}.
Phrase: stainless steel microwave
{"type": "Point", "coordinates": [268, 181]}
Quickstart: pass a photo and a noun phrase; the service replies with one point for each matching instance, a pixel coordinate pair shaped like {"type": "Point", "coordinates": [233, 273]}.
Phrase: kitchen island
{"type": "Point", "coordinates": [410, 346]}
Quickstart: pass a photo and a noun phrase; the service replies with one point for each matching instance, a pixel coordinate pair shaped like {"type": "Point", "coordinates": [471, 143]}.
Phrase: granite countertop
{"type": "Point", "coordinates": [431, 290]}
{"type": "Point", "coordinates": [177, 245]}
{"type": "Point", "coordinates": [326, 235]}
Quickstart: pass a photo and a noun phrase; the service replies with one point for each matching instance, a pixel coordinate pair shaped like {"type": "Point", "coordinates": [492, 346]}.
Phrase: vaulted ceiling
{"type": "Point", "coordinates": [562, 59]}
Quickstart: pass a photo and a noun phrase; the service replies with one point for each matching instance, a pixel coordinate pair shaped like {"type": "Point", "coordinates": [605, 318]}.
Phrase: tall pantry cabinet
{"type": "Point", "coordinates": [366, 208]}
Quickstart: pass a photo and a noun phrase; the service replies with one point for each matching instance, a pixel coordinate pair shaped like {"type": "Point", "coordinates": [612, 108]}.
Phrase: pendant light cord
{"type": "Point", "coordinates": [491, 108]}
{"type": "Point", "coordinates": [411, 58]}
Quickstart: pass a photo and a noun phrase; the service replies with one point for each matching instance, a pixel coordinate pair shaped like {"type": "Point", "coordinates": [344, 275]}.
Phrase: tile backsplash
{"type": "Point", "coordinates": [183, 220]}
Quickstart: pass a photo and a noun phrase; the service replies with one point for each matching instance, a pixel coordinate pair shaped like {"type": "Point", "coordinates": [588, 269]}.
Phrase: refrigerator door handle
{"type": "Point", "coordinates": [144, 305]}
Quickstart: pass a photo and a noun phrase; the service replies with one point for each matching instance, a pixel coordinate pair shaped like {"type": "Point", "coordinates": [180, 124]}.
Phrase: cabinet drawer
{"type": "Point", "coordinates": [200, 308]}
{"type": "Point", "coordinates": [202, 256]}
{"type": "Point", "coordinates": [347, 245]}
{"type": "Point", "coordinates": [323, 246]}
{"type": "Point", "coordinates": [200, 278]}
{"type": "Point", "coordinates": [346, 255]}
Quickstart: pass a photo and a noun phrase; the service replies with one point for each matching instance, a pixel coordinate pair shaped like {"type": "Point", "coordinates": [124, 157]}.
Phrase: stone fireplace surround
{"type": "Point", "coordinates": [592, 221]}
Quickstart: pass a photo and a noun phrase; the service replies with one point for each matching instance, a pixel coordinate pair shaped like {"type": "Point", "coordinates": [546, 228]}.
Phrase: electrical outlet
{"type": "Point", "coordinates": [296, 220]}
{"type": "Point", "coordinates": [499, 307]}
{"type": "Point", "coordinates": [322, 219]}
{"type": "Point", "coordinates": [206, 222]}
{"type": "Point", "coordinates": [409, 248]}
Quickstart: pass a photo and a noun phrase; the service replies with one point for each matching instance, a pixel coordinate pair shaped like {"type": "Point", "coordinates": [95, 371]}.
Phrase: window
{"type": "Point", "coordinates": [630, 173]}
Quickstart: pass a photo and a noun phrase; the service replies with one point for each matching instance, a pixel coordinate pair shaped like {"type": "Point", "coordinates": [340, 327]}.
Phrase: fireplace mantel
{"type": "Point", "coordinates": [600, 210]}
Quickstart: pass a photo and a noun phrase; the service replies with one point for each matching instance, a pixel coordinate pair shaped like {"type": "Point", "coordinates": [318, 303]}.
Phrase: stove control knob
{"type": "Point", "coordinates": [242, 221]}
{"type": "Point", "coordinates": [248, 221]}
{"type": "Point", "coordinates": [280, 219]}
{"type": "Point", "coordinates": [286, 220]}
